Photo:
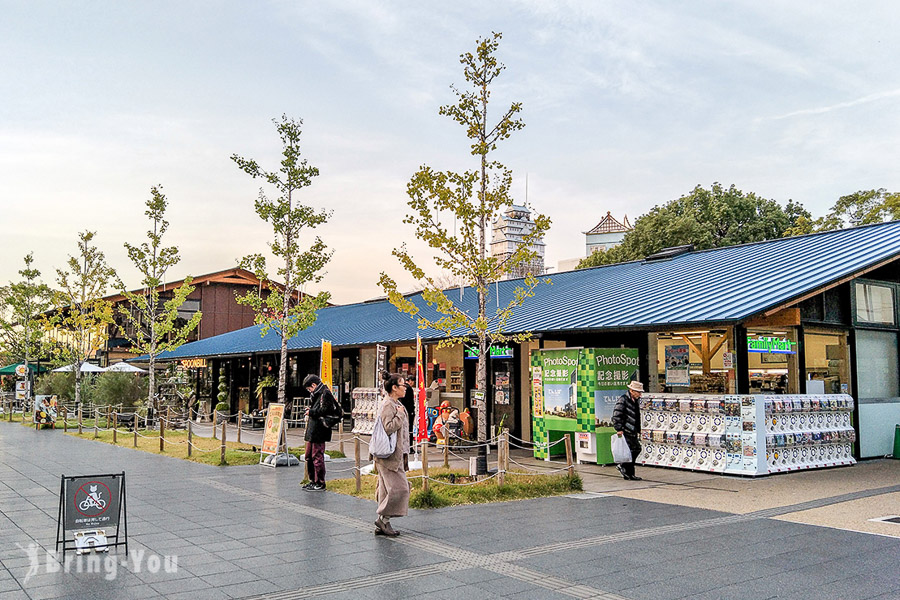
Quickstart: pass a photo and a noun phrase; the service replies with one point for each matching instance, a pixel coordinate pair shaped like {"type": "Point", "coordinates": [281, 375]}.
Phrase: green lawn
{"type": "Point", "coordinates": [518, 486]}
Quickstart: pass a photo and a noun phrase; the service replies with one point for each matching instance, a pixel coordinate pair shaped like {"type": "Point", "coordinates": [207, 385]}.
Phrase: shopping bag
{"type": "Point", "coordinates": [382, 445]}
{"type": "Point", "coordinates": [620, 450]}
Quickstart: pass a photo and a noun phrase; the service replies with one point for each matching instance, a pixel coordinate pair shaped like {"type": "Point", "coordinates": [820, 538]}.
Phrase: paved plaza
{"type": "Point", "coordinates": [199, 531]}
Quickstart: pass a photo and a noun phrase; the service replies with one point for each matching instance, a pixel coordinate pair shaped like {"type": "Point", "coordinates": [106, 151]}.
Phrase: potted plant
{"type": "Point", "coordinates": [223, 406]}
{"type": "Point", "coordinates": [265, 389]}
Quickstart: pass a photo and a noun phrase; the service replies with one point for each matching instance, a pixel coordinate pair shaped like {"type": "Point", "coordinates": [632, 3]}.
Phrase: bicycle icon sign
{"type": "Point", "coordinates": [91, 499]}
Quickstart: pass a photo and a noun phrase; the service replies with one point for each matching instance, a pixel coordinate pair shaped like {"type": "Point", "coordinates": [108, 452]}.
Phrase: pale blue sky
{"type": "Point", "coordinates": [627, 105]}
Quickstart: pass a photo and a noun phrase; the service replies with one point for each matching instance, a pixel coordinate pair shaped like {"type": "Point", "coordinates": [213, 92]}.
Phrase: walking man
{"type": "Point", "coordinates": [322, 412]}
{"type": "Point", "coordinates": [626, 419]}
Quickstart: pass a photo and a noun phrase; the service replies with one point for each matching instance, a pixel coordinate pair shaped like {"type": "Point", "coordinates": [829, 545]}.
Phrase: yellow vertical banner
{"type": "Point", "coordinates": [325, 365]}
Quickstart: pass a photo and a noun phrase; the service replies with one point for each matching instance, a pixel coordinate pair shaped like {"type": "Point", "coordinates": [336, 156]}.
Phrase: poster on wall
{"type": "Point", "coordinates": [537, 387]}
{"type": "Point", "coordinates": [678, 365]}
{"type": "Point", "coordinates": [615, 369]}
{"type": "Point", "coordinates": [560, 368]}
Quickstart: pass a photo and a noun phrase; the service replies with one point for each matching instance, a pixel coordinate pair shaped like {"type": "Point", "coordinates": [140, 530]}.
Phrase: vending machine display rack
{"type": "Point", "coordinates": [746, 434]}
{"type": "Point", "coordinates": [365, 407]}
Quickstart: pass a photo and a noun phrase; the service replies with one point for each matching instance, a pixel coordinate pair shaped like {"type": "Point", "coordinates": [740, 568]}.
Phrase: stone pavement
{"type": "Point", "coordinates": [242, 532]}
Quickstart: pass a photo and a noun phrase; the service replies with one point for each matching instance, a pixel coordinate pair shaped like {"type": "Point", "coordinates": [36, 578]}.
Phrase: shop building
{"type": "Point", "coordinates": [808, 314]}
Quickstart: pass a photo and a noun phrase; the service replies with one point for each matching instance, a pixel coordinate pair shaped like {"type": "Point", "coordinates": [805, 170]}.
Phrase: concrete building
{"type": "Point", "coordinates": [508, 232]}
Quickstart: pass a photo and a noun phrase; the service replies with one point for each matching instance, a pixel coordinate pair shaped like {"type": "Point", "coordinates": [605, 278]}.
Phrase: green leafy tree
{"type": "Point", "coordinates": [22, 305]}
{"type": "Point", "coordinates": [155, 325]}
{"type": "Point", "coordinates": [282, 307]}
{"type": "Point", "coordinates": [81, 316]}
{"type": "Point", "coordinates": [706, 218]}
{"type": "Point", "coordinates": [474, 198]}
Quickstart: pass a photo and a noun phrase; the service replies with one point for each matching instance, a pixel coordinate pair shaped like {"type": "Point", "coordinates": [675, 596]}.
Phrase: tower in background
{"type": "Point", "coordinates": [508, 231]}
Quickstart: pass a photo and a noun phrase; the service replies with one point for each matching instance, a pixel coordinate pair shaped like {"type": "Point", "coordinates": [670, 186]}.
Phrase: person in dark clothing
{"type": "Point", "coordinates": [626, 420]}
{"type": "Point", "coordinates": [409, 403]}
{"type": "Point", "coordinates": [322, 404]}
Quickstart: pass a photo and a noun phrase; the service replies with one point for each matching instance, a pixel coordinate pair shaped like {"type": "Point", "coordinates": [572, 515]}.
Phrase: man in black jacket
{"type": "Point", "coordinates": [322, 404]}
{"type": "Point", "coordinates": [626, 419]}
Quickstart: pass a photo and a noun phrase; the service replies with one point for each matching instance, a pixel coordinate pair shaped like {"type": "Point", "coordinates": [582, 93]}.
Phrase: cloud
{"type": "Point", "coordinates": [833, 107]}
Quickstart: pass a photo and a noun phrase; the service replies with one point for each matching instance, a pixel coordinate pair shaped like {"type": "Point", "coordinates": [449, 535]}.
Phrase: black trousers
{"type": "Point", "coordinates": [635, 446]}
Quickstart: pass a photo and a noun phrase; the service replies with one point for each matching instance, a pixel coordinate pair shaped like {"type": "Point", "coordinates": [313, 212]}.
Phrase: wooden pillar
{"type": "Point", "coordinates": [568, 444]}
{"type": "Point", "coordinates": [240, 418]}
{"type": "Point", "coordinates": [162, 434]}
{"type": "Point", "coordinates": [115, 426]}
{"type": "Point", "coordinates": [222, 458]}
{"type": "Point", "coordinates": [190, 437]}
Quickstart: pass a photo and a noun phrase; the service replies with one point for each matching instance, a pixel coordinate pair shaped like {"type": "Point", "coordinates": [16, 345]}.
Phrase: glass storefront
{"type": "Point", "coordinates": [827, 362]}
{"type": "Point", "coordinates": [694, 362]}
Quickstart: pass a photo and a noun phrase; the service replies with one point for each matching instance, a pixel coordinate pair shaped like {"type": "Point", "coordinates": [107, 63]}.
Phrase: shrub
{"type": "Point", "coordinates": [60, 384]}
{"type": "Point", "coordinates": [126, 389]}
{"type": "Point", "coordinates": [223, 407]}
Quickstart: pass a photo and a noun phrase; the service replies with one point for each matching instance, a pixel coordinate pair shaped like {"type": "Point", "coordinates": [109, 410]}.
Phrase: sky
{"type": "Point", "coordinates": [627, 105]}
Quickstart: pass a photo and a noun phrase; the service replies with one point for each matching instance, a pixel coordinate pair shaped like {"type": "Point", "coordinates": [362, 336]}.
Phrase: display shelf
{"type": "Point", "coordinates": [456, 383]}
{"type": "Point", "coordinates": [746, 434]}
{"type": "Point", "coordinates": [365, 407]}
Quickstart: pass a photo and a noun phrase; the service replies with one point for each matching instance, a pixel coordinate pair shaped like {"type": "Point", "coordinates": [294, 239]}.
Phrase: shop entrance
{"type": "Point", "coordinates": [501, 394]}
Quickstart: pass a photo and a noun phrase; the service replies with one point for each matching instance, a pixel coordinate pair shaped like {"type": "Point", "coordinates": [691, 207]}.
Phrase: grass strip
{"type": "Point", "coordinates": [454, 487]}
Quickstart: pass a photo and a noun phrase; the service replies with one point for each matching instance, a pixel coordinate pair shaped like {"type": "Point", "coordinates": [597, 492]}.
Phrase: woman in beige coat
{"type": "Point", "coordinates": [392, 491]}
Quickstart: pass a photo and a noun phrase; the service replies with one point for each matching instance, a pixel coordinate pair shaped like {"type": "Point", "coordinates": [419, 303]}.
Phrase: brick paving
{"type": "Point", "coordinates": [251, 532]}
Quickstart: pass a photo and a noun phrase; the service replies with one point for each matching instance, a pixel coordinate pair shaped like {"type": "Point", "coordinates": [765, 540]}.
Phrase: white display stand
{"type": "Point", "coordinates": [365, 407]}
{"type": "Point", "coordinates": [746, 434]}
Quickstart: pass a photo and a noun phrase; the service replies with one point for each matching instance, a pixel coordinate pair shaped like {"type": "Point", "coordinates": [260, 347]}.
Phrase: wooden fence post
{"type": "Point", "coordinates": [108, 413]}
{"type": "Point", "coordinates": [568, 444]}
{"type": "Point", "coordinates": [65, 414]}
{"type": "Point", "coordinates": [425, 465]}
{"type": "Point", "coordinates": [137, 419]}
{"type": "Point", "coordinates": [115, 426]}
{"type": "Point", "coordinates": [190, 436]}
{"type": "Point", "coordinates": [240, 418]}
{"type": "Point", "coordinates": [357, 473]}
{"type": "Point", "coordinates": [80, 430]}
{"type": "Point", "coordinates": [501, 472]}
{"type": "Point", "coordinates": [222, 459]}
{"type": "Point", "coordinates": [446, 454]}
{"type": "Point", "coordinates": [162, 434]}
{"type": "Point", "coordinates": [341, 437]}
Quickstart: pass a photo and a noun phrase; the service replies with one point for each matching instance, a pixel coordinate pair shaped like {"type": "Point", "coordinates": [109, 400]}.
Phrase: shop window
{"type": "Point", "coordinates": [875, 304]}
{"type": "Point", "coordinates": [876, 364]}
{"type": "Point", "coordinates": [772, 362]}
{"type": "Point", "coordinates": [827, 363]}
{"type": "Point", "coordinates": [693, 361]}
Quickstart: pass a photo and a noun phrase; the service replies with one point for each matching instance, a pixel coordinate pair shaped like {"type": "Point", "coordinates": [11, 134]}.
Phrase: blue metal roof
{"type": "Point", "coordinates": [719, 285]}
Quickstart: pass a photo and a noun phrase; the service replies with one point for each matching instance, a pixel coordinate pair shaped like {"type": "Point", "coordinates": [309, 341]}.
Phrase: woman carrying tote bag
{"type": "Point", "coordinates": [392, 490]}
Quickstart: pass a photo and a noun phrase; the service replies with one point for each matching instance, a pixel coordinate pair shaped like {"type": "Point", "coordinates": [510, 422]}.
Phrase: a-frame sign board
{"type": "Point", "coordinates": [90, 508]}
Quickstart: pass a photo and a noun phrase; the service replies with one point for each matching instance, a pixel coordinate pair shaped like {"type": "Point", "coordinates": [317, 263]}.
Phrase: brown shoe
{"type": "Point", "coordinates": [382, 528]}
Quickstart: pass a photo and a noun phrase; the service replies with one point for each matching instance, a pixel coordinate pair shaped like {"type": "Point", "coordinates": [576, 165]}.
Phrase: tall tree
{"type": "Point", "coordinates": [473, 198]}
{"type": "Point", "coordinates": [22, 305]}
{"type": "Point", "coordinates": [706, 218]}
{"type": "Point", "coordinates": [281, 306]}
{"type": "Point", "coordinates": [155, 324]}
{"type": "Point", "coordinates": [81, 315]}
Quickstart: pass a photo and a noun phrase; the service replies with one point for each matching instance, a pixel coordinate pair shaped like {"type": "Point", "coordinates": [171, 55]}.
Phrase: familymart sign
{"type": "Point", "coordinates": [771, 345]}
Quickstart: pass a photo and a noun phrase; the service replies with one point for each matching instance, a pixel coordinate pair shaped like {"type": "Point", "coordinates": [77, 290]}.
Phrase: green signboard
{"type": "Point", "coordinates": [615, 369]}
{"type": "Point", "coordinates": [575, 391]}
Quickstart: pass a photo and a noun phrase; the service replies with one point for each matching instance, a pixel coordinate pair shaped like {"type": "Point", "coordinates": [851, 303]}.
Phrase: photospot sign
{"type": "Point", "coordinates": [90, 508]}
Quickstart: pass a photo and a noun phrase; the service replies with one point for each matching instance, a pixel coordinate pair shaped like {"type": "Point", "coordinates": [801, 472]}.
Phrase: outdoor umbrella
{"type": "Point", "coordinates": [11, 369]}
{"type": "Point", "coordinates": [124, 367]}
{"type": "Point", "coordinates": [86, 367]}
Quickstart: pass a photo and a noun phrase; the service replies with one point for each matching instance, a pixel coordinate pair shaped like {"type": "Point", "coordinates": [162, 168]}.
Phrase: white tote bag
{"type": "Point", "coordinates": [382, 445]}
{"type": "Point", "coordinates": [620, 450]}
